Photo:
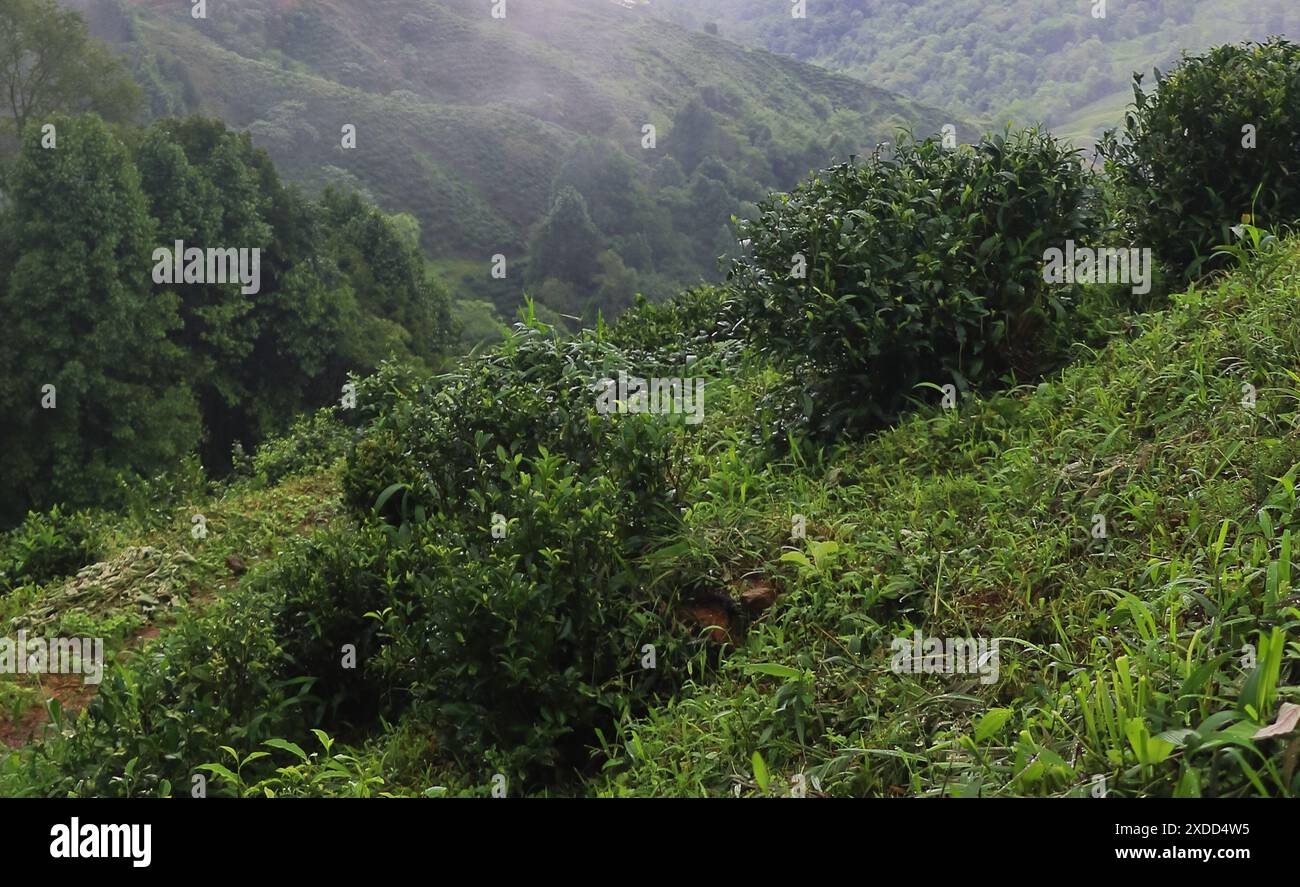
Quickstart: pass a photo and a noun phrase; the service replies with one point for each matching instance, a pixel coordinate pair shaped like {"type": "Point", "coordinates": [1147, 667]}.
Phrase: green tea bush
{"type": "Point", "coordinates": [46, 546]}
{"type": "Point", "coordinates": [924, 265]}
{"type": "Point", "coordinates": [530, 642]}
{"type": "Point", "coordinates": [1213, 143]}
{"type": "Point", "coordinates": [691, 319]}
{"type": "Point", "coordinates": [514, 512]}
{"type": "Point", "coordinates": [213, 680]}
{"type": "Point", "coordinates": [313, 441]}
{"type": "Point", "coordinates": [327, 585]}
{"type": "Point", "coordinates": [440, 454]}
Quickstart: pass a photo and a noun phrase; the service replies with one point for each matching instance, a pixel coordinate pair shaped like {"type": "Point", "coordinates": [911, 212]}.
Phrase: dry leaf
{"type": "Point", "coordinates": [1288, 718]}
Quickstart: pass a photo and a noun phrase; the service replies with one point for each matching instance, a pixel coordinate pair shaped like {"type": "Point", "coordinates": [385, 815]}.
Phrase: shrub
{"type": "Point", "coordinates": [212, 681]}
{"type": "Point", "coordinates": [46, 546]}
{"type": "Point", "coordinates": [313, 441]}
{"type": "Point", "coordinates": [512, 511]}
{"type": "Point", "coordinates": [1182, 172]}
{"type": "Point", "coordinates": [530, 642]}
{"type": "Point", "coordinates": [327, 585]}
{"type": "Point", "coordinates": [690, 319]}
{"type": "Point", "coordinates": [440, 453]}
{"type": "Point", "coordinates": [923, 266]}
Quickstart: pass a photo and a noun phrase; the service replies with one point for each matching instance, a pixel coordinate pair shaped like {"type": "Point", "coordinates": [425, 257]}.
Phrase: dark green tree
{"type": "Point", "coordinates": [695, 135]}
{"type": "Point", "coordinates": [94, 385]}
{"type": "Point", "coordinates": [566, 243]}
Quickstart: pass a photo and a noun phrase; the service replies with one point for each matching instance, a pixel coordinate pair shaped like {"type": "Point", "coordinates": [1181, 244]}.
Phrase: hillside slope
{"type": "Point", "coordinates": [465, 120]}
{"type": "Point", "coordinates": [1139, 660]}
{"type": "Point", "coordinates": [1033, 60]}
{"type": "Point", "coordinates": [1121, 536]}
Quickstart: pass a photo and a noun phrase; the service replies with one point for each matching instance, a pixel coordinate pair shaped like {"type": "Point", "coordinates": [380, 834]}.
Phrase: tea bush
{"type": "Point", "coordinates": [1181, 168]}
{"type": "Point", "coordinates": [514, 510]}
{"type": "Point", "coordinates": [214, 680]}
{"type": "Point", "coordinates": [530, 642]}
{"type": "Point", "coordinates": [439, 454]}
{"type": "Point", "coordinates": [313, 441]}
{"type": "Point", "coordinates": [691, 319]}
{"type": "Point", "coordinates": [924, 265]}
{"type": "Point", "coordinates": [46, 546]}
{"type": "Point", "coordinates": [326, 586]}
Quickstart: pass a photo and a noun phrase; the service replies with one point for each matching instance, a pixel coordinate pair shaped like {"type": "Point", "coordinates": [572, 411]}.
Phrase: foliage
{"type": "Point", "coordinates": [479, 156]}
{"type": "Point", "coordinates": [510, 576]}
{"type": "Point", "coordinates": [313, 442]}
{"type": "Point", "coordinates": [1123, 658]}
{"type": "Point", "coordinates": [96, 385]}
{"type": "Point", "coordinates": [1049, 61]}
{"type": "Point", "coordinates": [690, 319]}
{"type": "Point", "coordinates": [49, 65]}
{"type": "Point", "coordinates": [1142, 662]}
{"type": "Point", "coordinates": [1208, 149]}
{"type": "Point", "coordinates": [115, 375]}
{"type": "Point", "coordinates": [46, 546]}
{"type": "Point", "coordinates": [920, 266]}
{"type": "Point", "coordinates": [515, 509]}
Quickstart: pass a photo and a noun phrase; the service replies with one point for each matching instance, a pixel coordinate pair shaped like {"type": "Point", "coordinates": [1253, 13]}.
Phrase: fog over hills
{"type": "Point", "coordinates": [474, 124]}
{"type": "Point", "coordinates": [1066, 63]}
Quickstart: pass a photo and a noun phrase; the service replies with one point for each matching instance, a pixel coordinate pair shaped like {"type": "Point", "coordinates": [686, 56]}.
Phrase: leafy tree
{"type": "Point", "coordinates": [566, 243]}
{"type": "Point", "coordinates": [380, 258]}
{"type": "Point", "coordinates": [695, 135]}
{"type": "Point", "coordinates": [78, 314]}
{"type": "Point", "coordinates": [50, 64]}
{"type": "Point", "coordinates": [616, 285]}
{"type": "Point", "coordinates": [609, 183]}
{"type": "Point", "coordinates": [343, 287]}
{"type": "Point", "coordinates": [205, 187]}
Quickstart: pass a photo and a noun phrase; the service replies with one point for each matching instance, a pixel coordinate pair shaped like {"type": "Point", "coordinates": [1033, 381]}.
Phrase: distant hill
{"type": "Point", "coordinates": [465, 121]}
{"type": "Point", "coordinates": [1035, 60]}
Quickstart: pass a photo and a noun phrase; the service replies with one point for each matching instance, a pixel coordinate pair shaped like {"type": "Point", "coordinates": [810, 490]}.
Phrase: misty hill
{"type": "Point", "coordinates": [476, 125]}
{"type": "Point", "coordinates": [1048, 61]}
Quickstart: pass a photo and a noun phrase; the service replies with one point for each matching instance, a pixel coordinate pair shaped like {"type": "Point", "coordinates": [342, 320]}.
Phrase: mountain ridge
{"type": "Point", "coordinates": [467, 129]}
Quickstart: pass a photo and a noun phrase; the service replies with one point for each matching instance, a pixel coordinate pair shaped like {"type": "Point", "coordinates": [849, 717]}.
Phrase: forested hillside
{"type": "Point", "coordinates": [1052, 61]}
{"type": "Point", "coordinates": [520, 137]}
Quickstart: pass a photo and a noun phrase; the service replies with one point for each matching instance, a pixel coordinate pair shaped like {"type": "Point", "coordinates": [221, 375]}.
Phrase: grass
{"type": "Point", "coordinates": [1141, 660]}
{"type": "Point", "coordinates": [152, 575]}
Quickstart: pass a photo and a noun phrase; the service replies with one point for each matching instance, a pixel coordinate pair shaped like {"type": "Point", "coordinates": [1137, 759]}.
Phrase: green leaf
{"type": "Point", "coordinates": [388, 494]}
{"type": "Point", "coordinates": [774, 669]}
{"type": "Point", "coordinates": [760, 771]}
{"type": "Point", "coordinates": [992, 722]}
{"type": "Point", "coordinates": [221, 771]}
{"type": "Point", "coordinates": [1189, 784]}
{"type": "Point", "coordinates": [798, 558]}
{"type": "Point", "coordinates": [288, 746]}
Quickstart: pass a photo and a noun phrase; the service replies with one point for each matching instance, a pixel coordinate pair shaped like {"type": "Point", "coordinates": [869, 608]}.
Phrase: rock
{"type": "Point", "coordinates": [758, 597]}
{"type": "Point", "coordinates": [710, 615]}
